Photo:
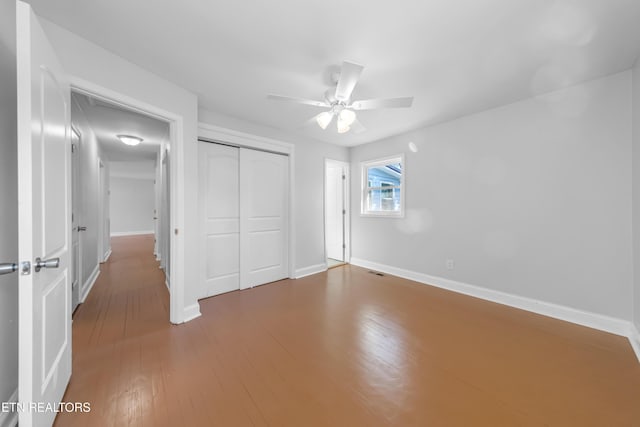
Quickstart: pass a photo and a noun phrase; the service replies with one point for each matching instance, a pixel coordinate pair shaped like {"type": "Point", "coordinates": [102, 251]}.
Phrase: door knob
{"type": "Point", "coordinates": [8, 267]}
{"type": "Point", "coordinates": [47, 263]}
{"type": "Point", "coordinates": [82, 228]}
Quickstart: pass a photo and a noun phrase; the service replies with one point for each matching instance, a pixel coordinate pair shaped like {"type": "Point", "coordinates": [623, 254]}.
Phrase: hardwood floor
{"type": "Point", "coordinates": [341, 348]}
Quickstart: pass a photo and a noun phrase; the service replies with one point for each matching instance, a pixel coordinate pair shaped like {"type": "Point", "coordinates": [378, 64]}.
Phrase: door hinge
{"type": "Point", "coordinates": [73, 148]}
{"type": "Point", "coordinates": [344, 177]}
{"type": "Point", "coordinates": [344, 211]}
{"type": "Point", "coordinates": [344, 246]}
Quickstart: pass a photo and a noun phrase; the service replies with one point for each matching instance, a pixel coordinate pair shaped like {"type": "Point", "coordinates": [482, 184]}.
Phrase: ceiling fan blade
{"type": "Point", "coordinates": [372, 104]}
{"type": "Point", "coordinates": [357, 127]}
{"type": "Point", "coordinates": [298, 100]}
{"type": "Point", "coordinates": [349, 75]}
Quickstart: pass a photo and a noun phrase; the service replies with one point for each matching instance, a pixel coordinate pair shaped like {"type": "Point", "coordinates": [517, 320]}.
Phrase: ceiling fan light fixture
{"type": "Point", "coordinates": [343, 127]}
{"type": "Point", "coordinates": [347, 117]}
{"type": "Point", "coordinates": [129, 139]}
{"type": "Point", "coordinates": [323, 119]}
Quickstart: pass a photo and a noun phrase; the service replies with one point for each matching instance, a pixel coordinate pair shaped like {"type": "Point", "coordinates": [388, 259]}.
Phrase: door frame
{"type": "Point", "coordinates": [211, 133]}
{"type": "Point", "coordinates": [176, 176]}
{"type": "Point", "coordinates": [76, 207]}
{"type": "Point", "coordinates": [347, 216]}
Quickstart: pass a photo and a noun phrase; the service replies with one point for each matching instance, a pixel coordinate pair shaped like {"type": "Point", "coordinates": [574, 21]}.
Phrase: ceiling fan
{"type": "Point", "coordinates": [339, 102]}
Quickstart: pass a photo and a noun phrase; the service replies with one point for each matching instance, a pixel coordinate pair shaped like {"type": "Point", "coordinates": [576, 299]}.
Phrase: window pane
{"type": "Point", "coordinates": [383, 200]}
{"type": "Point", "coordinates": [384, 175]}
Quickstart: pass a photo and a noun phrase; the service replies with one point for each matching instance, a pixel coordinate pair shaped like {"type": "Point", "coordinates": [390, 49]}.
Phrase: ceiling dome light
{"type": "Point", "coordinates": [324, 119]}
{"type": "Point", "coordinates": [347, 117]}
{"type": "Point", "coordinates": [129, 139]}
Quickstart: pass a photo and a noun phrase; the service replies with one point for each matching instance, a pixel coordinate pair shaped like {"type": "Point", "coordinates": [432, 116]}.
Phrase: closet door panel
{"type": "Point", "coordinates": [219, 185]}
{"type": "Point", "coordinates": [263, 217]}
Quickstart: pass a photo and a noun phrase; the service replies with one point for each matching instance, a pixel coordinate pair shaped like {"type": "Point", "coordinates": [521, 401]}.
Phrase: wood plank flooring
{"type": "Point", "coordinates": [341, 348]}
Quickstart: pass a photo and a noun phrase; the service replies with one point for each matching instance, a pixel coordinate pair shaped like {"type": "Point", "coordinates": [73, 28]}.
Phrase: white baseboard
{"type": "Point", "coordinates": [86, 287]}
{"type": "Point", "coordinates": [634, 339]}
{"type": "Point", "coordinates": [580, 317]}
{"type": "Point", "coordinates": [10, 419]}
{"type": "Point", "coordinates": [312, 269]}
{"type": "Point", "coordinates": [130, 233]}
{"type": "Point", "coordinates": [191, 312]}
{"type": "Point", "coordinates": [106, 255]}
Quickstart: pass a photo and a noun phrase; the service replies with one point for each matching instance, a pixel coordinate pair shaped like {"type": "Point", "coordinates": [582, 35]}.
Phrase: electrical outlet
{"type": "Point", "coordinates": [449, 264]}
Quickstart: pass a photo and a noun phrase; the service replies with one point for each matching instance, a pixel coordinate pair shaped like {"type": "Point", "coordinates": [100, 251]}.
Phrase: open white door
{"type": "Point", "coordinates": [44, 199]}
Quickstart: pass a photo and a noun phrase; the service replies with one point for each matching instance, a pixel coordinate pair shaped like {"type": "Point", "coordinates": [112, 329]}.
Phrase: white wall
{"type": "Point", "coordinates": [89, 62]}
{"type": "Point", "coordinates": [8, 205]}
{"type": "Point", "coordinates": [636, 196]}
{"type": "Point", "coordinates": [90, 198]}
{"type": "Point", "coordinates": [132, 199]}
{"type": "Point", "coordinates": [132, 205]}
{"type": "Point", "coordinates": [532, 199]}
{"type": "Point", "coordinates": [308, 184]}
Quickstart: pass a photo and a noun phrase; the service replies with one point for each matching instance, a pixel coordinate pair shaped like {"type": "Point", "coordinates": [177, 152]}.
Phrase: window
{"type": "Point", "coordinates": [382, 194]}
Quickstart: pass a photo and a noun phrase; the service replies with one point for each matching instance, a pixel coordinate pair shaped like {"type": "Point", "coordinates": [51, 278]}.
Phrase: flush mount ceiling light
{"type": "Point", "coordinates": [129, 139]}
{"type": "Point", "coordinates": [341, 105]}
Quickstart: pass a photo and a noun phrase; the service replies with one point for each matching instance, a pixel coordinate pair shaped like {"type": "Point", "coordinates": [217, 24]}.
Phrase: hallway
{"type": "Point", "coordinates": [341, 348]}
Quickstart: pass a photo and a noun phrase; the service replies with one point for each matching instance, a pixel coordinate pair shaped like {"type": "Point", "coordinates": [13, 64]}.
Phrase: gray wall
{"type": "Point", "coordinates": [132, 205]}
{"type": "Point", "coordinates": [8, 204]}
{"type": "Point", "coordinates": [308, 182]}
{"type": "Point", "coordinates": [531, 199]}
{"type": "Point", "coordinates": [636, 194]}
{"type": "Point", "coordinates": [90, 198]}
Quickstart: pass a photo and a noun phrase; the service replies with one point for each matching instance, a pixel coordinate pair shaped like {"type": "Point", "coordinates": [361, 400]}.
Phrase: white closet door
{"type": "Point", "coordinates": [219, 183]}
{"type": "Point", "coordinates": [263, 217]}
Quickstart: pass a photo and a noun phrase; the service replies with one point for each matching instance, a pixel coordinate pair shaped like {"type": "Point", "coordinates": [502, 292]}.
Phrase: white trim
{"type": "Point", "coordinates": [106, 256]}
{"type": "Point", "coordinates": [312, 269]}
{"type": "Point", "coordinates": [88, 285]}
{"type": "Point", "coordinates": [241, 139]}
{"type": "Point", "coordinates": [130, 233]}
{"type": "Point", "coordinates": [191, 312]}
{"type": "Point", "coordinates": [10, 419]}
{"type": "Point", "coordinates": [634, 339]}
{"type": "Point", "coordinates": [580, 317]}
{"type": "Point", "coordinates": [220, 134]}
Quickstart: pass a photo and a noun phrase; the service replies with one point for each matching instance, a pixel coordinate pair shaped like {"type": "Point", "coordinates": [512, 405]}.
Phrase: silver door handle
{"type": "Point", "coordinates": [82, 228]}
{"type": "Point", "coordinates": [47, 263]}
{"type": "Point", "coordinates": [8, 267]}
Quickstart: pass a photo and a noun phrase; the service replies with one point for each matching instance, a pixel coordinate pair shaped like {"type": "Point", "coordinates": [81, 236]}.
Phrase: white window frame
{"type": "Point", "coordinates": [364, 188]}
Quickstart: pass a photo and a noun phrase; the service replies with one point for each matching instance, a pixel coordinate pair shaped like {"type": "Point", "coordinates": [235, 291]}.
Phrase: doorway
{"type": "Point", "coordinates": [116, 186]}
{"type": "Point", "coordinates": [336, 212]}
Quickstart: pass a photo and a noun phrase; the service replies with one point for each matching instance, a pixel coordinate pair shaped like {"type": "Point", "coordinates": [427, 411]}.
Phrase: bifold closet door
{"type": "Point", "coordinates": [264, 183]}
{"type": "Point", "coordinates": [219, 184]}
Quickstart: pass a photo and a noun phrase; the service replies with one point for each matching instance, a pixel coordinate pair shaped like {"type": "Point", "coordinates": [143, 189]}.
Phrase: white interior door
{"type": "Point", "coordinates": [76, 262]}
{"type": "Point", "coordinates": [219, 183]}
{"type": "Point", "coordinates": [335, 210]}
{"type": "Point", "coordinates": [264, 183]}
{"type": "Point", "coordinates": [44, 205]}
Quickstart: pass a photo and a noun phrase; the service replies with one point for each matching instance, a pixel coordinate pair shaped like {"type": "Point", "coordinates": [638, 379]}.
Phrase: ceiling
{"type": "Point", "coordinates": [108, 120]}
{"type": "Point", "coordinates": [455, 57]}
